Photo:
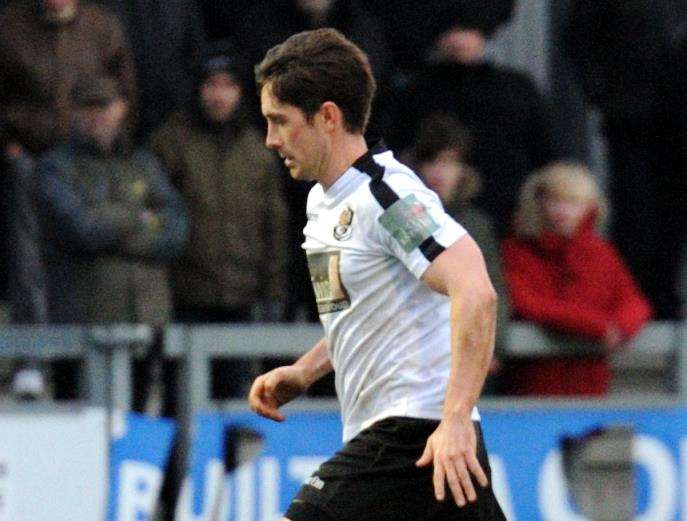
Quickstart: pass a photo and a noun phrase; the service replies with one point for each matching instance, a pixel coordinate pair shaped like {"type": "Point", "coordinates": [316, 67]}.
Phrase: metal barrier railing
{"type": "Point", "coordinates": [107, 354]}
{"type": "Point", "coordinates": [659, 344]}
{"type": "Point", "coordinates": [660, 348]}
{"type": "Point", "coordinates": [105, 350]}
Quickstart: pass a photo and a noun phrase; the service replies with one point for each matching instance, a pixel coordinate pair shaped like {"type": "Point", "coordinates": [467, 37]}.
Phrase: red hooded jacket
{"type": "Point", "coordinates": [578, 286]}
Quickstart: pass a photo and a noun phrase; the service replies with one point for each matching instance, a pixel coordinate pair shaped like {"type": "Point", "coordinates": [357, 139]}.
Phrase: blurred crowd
{"type": "Point", "coordinates": [136, 186]}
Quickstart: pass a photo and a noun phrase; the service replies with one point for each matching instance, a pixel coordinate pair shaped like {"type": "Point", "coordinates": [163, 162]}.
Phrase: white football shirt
{"type": "Point", "coordinates": [369, 238]}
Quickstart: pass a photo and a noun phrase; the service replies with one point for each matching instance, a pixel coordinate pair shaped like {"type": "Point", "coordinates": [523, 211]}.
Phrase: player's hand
{"type": "Point", "coordinates": [453, 450]}
{"type": "Point", "coordinates": [275, 388]}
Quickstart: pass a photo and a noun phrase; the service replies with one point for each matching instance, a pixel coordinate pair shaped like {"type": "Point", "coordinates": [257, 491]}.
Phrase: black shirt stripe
{"type": "Point", "coordinates": [386, 196]}
{"type": "Point", "coordinates": [431, 249]}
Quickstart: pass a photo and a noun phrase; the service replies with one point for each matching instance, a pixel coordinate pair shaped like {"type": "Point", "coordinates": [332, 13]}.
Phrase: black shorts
{"type": "Point", "coordinates": [374, 478]}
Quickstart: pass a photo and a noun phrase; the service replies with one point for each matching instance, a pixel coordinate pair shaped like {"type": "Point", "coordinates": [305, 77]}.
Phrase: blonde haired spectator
{"type": "Point", "coordinates": [561, 274]}
{"type": "Point", "coordinates": [571, 182]}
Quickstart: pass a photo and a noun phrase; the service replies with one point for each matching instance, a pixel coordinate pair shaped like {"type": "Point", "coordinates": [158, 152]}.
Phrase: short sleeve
{"type": "Point", "coordinates": [412, 224]}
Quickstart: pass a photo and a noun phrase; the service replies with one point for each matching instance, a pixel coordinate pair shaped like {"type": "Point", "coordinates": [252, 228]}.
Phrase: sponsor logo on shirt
{"type": "Point", "coordinates": [325, 274]}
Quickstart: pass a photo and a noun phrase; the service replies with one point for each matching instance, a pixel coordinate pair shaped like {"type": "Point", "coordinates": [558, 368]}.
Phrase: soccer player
{"type": "Point", "coordinates": [402, 291]}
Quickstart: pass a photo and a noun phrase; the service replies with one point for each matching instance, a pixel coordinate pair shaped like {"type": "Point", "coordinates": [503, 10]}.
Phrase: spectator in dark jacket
{"type": "Point", "coordinates": [627, 58]}
{"type": "Point", "coordinates": [503, 109]}
{"type": "Point", "coordinates": [111, 221]}
{"type": "Point", "coordinates": [111, 224]}
{"type": "Point", "coordinates": [563, 275]}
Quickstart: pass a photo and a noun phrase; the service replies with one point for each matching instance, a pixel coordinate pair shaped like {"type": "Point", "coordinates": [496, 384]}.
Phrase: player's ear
{"type": "Point", "coordinates": [331, 115]}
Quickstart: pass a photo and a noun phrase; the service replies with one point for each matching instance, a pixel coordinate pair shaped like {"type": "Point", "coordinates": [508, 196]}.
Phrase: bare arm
{"type": "Point", "coordinates": [315, 363]}
{"type": "Point", "coordinates": [460, 273]}
{"type": "Point", "coordinates": [281, 385]}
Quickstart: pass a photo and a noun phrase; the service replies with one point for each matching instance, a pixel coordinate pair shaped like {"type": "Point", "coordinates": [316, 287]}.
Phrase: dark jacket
{"type": "Point", "coordinates": [40, 63]}
{"type": "Point", "coordinates": [231, 186]}
{"type": "Point", "coordinates": [111, 224]}
{"type": "Point", "coordinates": [506, 116]}
{"type": "Point", "coordinates": [623, 52]}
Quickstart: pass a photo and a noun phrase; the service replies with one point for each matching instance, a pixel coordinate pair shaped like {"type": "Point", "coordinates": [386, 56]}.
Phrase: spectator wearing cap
{"type": "Point", "coordinates": [233, 267]}
{"type": "Point", "coordinates": [501, 108]}
{"type": "Point", "coordinates": [111, 221]}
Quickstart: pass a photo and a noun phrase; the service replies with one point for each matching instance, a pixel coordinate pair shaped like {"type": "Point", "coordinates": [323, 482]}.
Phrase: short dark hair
{"type": "Point", "coordinates": [439, 132]}
{"type": "Point", "coordinates": [313, 67]}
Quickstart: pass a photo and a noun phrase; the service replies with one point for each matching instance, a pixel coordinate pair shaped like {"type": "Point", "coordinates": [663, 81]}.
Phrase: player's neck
{"type": "Point", "coordinates": [345, 152]}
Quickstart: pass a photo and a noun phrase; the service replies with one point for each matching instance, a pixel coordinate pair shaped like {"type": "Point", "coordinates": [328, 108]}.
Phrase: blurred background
{"type": "Point", "coordinates": [151, 262]}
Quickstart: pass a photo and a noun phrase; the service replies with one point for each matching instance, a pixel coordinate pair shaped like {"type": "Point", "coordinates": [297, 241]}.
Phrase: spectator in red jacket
{"type": "Point", "coordinates": [562, 275]}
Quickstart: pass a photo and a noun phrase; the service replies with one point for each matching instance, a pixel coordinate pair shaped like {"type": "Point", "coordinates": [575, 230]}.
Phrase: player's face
{"type": "Point", "coordinates": [299, 142]}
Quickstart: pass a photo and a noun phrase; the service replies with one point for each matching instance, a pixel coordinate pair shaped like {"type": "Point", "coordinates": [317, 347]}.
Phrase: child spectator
{"type": "Point", "coordinates": [563, 275]}
{"type": "Point", "coordinates": [441, 146]}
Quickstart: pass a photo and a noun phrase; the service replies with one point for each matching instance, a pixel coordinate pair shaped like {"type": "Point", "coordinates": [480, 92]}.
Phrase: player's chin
{"type": "Point", "coordinates": [297, 174]}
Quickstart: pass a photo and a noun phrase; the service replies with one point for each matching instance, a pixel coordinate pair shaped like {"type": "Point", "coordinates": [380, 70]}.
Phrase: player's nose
{"type": "Point", "coordinates": [272, 140]}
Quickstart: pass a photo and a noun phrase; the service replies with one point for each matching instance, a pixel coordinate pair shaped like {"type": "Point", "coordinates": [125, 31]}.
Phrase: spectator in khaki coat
{"type": "Point", "coordinates": [234, 263]}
